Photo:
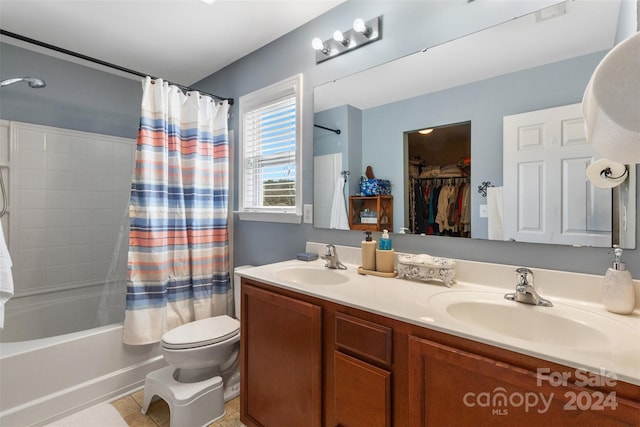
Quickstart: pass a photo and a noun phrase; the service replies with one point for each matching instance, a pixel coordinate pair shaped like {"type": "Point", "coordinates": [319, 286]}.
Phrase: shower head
{"type": "Point", "coordinates": [33, 82]}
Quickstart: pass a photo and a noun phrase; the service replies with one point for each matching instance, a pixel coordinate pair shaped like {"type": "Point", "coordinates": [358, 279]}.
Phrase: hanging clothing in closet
{"type": "Point", "coordinates": [442, 207]}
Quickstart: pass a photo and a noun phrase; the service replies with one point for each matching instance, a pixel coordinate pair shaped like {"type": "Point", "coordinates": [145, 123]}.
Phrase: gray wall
{"type": "Point", "coordinates": [408, 27]}
{"type": "Point", "coordinates": [76, 97]}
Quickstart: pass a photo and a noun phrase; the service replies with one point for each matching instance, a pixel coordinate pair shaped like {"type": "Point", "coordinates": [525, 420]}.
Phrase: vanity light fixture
{"type": "Point", "coordinates": [362, 33]}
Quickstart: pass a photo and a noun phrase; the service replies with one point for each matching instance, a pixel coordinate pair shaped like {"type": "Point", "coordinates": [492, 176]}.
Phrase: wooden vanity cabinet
{"type": "Point", "coordinates": [310, 362]}
{"type": "Point", "coordinates": [281, 360]}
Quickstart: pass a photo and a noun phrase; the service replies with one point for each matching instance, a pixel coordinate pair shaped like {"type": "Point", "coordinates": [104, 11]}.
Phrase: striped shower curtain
{"type": "Point", "coordinates": [178, 242]}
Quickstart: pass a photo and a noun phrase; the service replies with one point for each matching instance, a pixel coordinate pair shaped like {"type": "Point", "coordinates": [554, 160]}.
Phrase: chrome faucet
{"type": "Point", "coordinates": [332, 259]}
{"type": "Point", "coordinates": [525, 292]}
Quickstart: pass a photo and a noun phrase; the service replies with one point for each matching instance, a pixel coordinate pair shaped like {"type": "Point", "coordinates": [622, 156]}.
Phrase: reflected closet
{"type": "Point", "coordinates": [439, 173]}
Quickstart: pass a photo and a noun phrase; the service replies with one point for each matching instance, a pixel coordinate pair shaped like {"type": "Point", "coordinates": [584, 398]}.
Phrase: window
{"type": "Point", "coordinates": [270, 175]}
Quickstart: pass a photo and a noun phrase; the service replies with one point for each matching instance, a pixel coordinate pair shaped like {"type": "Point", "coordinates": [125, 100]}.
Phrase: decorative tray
{"type": "Point", "coordinates": [425, 267]}
{"type": "Point", "coordinates": [377, 273]}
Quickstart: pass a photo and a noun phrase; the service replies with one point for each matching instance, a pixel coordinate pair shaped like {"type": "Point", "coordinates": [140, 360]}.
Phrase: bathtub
{"type": "Point", "coordinates": [44, 378]}
{"type": "Point", "coordinates": [49, 378]}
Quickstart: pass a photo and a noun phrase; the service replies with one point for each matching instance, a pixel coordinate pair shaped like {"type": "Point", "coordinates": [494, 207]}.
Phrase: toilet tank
{"type": "Point", "coordinates": [236, 289]}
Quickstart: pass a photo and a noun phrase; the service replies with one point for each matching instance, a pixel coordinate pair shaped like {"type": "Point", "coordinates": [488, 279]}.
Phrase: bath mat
{"type": "Point", "coordinates": [103, 415]}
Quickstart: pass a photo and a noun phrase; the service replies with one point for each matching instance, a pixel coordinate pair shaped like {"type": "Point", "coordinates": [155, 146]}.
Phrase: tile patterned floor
{"type": "Point", "coordinates": [158, 414]}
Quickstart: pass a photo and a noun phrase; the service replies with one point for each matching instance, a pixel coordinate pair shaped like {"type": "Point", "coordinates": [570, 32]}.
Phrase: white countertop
{"type": "Point", "coordinates": [409, 301]}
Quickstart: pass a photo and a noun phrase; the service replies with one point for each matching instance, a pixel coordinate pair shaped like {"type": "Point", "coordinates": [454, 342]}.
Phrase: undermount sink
{"type": "Point", "coordinates": [560, 325]}
{"type": "Point", "coordinates": [311, 275]}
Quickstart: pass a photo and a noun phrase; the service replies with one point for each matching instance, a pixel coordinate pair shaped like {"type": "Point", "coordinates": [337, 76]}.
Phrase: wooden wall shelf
{"type": "Point", "coordinates": [381, 205]}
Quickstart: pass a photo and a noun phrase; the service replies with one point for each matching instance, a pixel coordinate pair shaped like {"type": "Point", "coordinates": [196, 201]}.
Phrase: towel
{"type": "Point", "coordinates": [494, 208]}
{"type": "Point", "coordinates": [6, 281]}
{"type": "Point", "coordinates": [339, 218]}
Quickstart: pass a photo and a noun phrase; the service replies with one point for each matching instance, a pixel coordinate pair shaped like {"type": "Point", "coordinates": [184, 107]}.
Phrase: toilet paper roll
{"type": "Point", "coordinates": [605, 173]}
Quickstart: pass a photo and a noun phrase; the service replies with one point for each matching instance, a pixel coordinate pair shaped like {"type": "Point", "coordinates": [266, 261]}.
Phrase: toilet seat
{"type": "Point", "coordinates": [201, 333]}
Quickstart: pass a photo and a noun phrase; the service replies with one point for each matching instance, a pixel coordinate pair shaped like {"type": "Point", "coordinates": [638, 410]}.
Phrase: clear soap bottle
{"type": "Point", "coordinates": [618, 294]}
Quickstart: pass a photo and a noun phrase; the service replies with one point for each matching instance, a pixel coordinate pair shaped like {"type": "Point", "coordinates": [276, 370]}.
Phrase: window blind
{"type": "Point", "coordinates": [270, 156]}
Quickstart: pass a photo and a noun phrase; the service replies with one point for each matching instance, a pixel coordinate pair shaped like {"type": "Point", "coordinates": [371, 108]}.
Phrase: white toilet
{"type": "Point", "coordinates": [203, 369]}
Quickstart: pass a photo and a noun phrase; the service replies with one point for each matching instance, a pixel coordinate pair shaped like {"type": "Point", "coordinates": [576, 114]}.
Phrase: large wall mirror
{"type": "Point", "coordinates": [534, 63]}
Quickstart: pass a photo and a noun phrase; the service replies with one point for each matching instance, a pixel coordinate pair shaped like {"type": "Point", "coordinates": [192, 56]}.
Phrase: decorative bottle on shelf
{"type": "Point", "coordinates": [368, 252]}
{"type": "Point", "coordinates": [618, 294]}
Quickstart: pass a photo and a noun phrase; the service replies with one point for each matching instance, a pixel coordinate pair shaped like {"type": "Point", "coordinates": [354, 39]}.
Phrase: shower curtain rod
{"type": "Point", "coordinates": [337, 131]}
{"type": "Point", "coordinates": [103, 63]}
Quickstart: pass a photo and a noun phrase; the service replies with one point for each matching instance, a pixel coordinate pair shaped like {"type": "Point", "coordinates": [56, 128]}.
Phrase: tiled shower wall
{"type": "Point", "coordinates": [69, 194]}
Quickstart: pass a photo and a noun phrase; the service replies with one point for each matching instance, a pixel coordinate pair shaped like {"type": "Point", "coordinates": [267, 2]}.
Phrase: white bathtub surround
{"type": "Point", "coordinates": [6, 279]}
{"type": "Point", "coordinates": [576, 297]}
{"type": "Point", "coordinates": [72, 193]}
{"type": "Point", "coordinates": [48, 379]}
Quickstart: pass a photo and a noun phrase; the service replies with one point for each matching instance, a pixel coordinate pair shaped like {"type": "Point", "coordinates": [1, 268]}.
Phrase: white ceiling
{"type": "Point", "coordinates": [182, 41]}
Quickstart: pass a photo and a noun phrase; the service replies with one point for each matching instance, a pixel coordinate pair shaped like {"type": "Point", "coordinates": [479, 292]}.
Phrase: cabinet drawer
{"type": "Point", "coordinates": [363, 338]}
{"type": "Point", "coordinates": [362, 393]}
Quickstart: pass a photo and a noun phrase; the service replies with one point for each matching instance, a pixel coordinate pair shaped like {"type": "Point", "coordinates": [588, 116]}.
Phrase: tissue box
{"type": "Point", "coordinates": [375, 187]}
{"type": "Point", "coordinates": [425, 268]}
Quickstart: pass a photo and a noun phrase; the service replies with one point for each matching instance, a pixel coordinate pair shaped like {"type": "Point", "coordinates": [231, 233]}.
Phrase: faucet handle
{"type": "Point", "coordinates": [525, 276]}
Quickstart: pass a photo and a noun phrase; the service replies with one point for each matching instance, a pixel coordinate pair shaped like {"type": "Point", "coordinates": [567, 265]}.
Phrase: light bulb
{"type": "Point", "coordinates": [318, 44]}
{"type": "Point", "coordinates": [360, 26]}
{"type": "Point", "coordinates": [339, 37]}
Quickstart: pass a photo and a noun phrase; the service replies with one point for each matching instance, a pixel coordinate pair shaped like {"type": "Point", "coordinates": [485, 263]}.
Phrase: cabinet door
{"type": "Point", "coordinates": [281, 360]}
{"type": "Point", "coordinates": [448, 386]}
{"type": "Point", "coordinates": [362, 393]}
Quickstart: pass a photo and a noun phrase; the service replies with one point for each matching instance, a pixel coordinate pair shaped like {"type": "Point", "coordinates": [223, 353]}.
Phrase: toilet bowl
{"type": "Point", "coordinates": [203, 372]}
{"type": "Point", "coordinates": [202, 349]}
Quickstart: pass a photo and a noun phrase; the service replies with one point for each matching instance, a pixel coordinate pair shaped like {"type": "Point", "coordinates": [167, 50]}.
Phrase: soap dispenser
{"type": "Point", "coordinates": [368, 252]}
{"type": "Point", "coordinates": [385, 254]}
{"type": "Point", "coordinates": [618, 293]}
{"type": "Point", "coordinates": [385, 241]}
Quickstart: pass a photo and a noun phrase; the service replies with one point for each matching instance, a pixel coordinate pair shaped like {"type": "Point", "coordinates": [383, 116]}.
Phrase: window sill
{"type": "Point", "coordinates": [288, 218]}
